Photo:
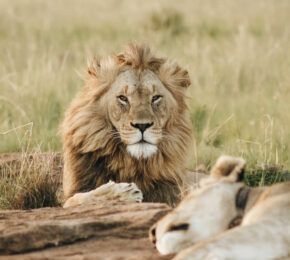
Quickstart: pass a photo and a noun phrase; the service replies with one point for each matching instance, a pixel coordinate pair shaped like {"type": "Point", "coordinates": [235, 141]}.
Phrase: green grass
{"type": "Point", "coordinates": [237, 54]}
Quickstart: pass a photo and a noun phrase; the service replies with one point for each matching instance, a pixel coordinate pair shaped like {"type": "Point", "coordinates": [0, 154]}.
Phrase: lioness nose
{"type": "Point", "coordinates": [152, 234]}
{"type": "Point", "coordinates": [142, 127]}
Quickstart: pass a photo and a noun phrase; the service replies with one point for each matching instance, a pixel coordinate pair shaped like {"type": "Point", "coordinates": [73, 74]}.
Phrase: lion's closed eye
{"type": "Point", "coordinates": [182, 226]}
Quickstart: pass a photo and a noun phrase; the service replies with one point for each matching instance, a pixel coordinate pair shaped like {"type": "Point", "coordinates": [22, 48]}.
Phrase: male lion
{"type": "Point", "coordinates": [128, 124]}
{"type": "Point", "coordinates": [224, 219]}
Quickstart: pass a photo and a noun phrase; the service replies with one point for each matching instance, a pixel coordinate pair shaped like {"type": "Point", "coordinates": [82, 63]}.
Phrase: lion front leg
{"type": "Point", "coordinates": [265, 240]}
{"type": "Point", "coordinates": [109, 191]}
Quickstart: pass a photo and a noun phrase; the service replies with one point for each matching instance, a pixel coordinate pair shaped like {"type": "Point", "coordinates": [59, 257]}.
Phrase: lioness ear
{"type": "Point", "coordinates": [229, 168]}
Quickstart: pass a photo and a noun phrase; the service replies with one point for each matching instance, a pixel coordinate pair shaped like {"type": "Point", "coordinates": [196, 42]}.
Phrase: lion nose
{"type": "Point", "coordinates": [142, 127]}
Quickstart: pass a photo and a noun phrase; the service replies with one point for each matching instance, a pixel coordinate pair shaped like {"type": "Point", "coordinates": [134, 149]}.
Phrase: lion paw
{"type": "Point", "coordinates": [124, 192]}
{"type": "Point", "coordinates": [110, 191]}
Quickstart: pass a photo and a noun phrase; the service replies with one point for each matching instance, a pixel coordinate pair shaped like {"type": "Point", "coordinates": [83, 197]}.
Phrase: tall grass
{"type": "Point", "coordinates": [237, 53]}
{"type": "Point", "coordinates": [30, 181]}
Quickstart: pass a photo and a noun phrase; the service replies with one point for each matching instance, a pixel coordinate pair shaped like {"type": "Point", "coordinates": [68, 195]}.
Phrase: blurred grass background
{"type": "Point", "coordinates": [237, 53]}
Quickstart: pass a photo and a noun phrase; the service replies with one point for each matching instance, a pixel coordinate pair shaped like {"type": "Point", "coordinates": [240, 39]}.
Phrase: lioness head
{"type": "Point", "coordinates": [205, 212]}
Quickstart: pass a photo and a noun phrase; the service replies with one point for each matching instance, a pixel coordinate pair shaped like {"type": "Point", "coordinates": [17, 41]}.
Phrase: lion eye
{"type": "Point", "coordinates": [123, 99]}
{"type": "Point", "coordinates": [156, 98]}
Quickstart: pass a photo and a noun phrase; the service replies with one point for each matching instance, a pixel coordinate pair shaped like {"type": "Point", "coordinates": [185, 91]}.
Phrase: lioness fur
{"type": "Point", "coordinates": [224, 219]}
{"type": "Point", "coordinates": [121, 93]}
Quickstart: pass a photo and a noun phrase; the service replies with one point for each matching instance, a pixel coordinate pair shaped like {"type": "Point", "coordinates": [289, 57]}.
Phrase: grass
{"type": "Point", "coordinates": [30, 181]}
{"type": "Point", "coordinates": [237, 54]}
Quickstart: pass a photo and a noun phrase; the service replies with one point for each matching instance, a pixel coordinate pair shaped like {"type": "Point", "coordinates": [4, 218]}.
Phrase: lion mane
{"type": "Point", "coordinates": [93, 157]}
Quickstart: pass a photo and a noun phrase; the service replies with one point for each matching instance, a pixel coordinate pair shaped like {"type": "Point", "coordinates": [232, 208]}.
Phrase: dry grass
{"type": "Point", "coordinates": [29, 181]}
{"type": "Point", "coordinates": [237, 53]}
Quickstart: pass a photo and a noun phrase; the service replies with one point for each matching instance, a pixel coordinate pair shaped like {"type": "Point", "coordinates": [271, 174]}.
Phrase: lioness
{"type": "Point", "coordinates": [224, 219]}
{"type": "Point", "coordinates": [128, 124]}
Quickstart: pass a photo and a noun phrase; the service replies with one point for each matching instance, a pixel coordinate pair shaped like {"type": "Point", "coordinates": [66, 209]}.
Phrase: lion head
{"type": "Point", "coordinates": [139, 106]}
{"type": "Point", "coordinates": [129, 123]}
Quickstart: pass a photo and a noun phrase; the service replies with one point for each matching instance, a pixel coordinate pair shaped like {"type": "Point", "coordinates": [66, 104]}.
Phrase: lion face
{"type": "Point", "coordinates": [207, 211]}
{"type": "Point", "coordinates": [139, 107]}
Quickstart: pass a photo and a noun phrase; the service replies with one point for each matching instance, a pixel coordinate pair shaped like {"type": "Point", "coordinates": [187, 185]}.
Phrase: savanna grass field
{"type": "Point", "coordinates": [237, 54]}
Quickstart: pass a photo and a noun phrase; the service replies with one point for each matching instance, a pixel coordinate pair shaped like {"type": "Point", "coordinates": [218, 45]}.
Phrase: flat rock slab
{"type": "Point", "coordinates": [107, 230]}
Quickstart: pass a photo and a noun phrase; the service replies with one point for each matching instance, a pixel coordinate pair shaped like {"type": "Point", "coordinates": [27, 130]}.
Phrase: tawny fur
{"type": "Point", "coordinates": [201, 226]}
{"type": "Point", "coordinates": [93, 157]}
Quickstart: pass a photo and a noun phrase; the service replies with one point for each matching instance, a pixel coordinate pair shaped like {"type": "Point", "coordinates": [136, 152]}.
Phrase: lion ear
{"type": "Point", "coordinates": [174, 75]}
{"type": "Point", "coordinates": [94, 68]}
{"type": "Point", "coordinates": [183, 76]}
{"type": "Point", "coordinates": [121, 59]}
{"type": "Point", "coordinates": [229, 168]}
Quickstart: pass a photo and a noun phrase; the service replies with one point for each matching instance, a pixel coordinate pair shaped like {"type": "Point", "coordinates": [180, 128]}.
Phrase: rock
{"type": "Point", "coordinates": [107, 230]}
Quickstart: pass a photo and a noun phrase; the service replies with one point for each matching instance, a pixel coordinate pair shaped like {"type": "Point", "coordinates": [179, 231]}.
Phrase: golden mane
{"type": "Point", "coordinates": [92, 157]}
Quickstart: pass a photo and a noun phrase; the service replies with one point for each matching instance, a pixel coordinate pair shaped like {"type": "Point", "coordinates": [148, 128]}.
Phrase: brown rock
{"type": "Point", "coordinates": [107, 230]}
